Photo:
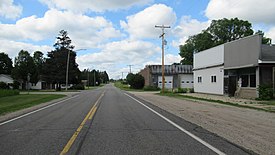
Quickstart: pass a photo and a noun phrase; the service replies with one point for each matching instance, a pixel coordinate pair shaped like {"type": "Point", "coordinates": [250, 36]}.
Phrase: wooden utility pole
{"type": "Point", "coordinates": [162, 47]}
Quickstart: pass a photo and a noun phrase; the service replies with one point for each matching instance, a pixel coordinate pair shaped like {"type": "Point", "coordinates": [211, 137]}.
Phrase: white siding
{"type": "Point", "coordinates": [37, 86]}
{"type": "Point", "coordinates": [186, 80]}
{"type": "Point", "coordinates": [206, 86]}
{"type": "Point", "coordinates": [211, 57]}
{"type": "Point", "coordinates": [168, 82]}
{"type": "Point", "coordinates": [5, 79]}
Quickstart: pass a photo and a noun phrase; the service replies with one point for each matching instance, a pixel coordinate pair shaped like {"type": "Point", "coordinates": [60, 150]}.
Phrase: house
{"type": "Point", "coordinates": [235, 68]}
{"type": "Point", "coordinates": [6, 79]}
{"type": "Point", "coordinates": [176, 76]}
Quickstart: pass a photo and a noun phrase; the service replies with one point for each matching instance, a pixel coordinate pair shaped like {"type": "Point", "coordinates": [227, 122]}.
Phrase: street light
{"type": "Point", "coordinates": [67, 69]}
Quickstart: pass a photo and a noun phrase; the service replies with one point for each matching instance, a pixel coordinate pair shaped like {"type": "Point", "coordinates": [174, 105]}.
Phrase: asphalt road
{"type": "Point", "coordinates": [108, 121]}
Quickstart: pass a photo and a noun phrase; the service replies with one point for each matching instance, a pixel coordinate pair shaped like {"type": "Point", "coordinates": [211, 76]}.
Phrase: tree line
{"type": "Point", "coordinates": [219, 32]}
{"type": "Point", "coordinates": [50, 69]}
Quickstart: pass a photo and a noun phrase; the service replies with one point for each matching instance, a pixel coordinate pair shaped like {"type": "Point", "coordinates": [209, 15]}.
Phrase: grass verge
{"type": "Point", "coordinates": [18, 102]}
{"type": "Point", "coordinates": [215, 101]}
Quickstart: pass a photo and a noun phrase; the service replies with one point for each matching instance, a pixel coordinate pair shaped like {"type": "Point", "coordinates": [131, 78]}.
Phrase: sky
{"type": "Point", "coordinates": [110, 35]}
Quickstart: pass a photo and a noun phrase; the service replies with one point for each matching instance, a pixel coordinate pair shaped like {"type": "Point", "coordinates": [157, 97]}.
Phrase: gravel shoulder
{"type": "Point", "coordinates": [248, 128]}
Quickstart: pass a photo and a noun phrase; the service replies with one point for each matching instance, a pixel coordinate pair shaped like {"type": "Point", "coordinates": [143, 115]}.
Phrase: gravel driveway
{"type": "Point", "coordinates": [252, 129]}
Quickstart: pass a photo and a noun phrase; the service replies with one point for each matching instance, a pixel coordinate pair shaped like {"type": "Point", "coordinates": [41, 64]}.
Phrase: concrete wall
{"type": "Point", "coordinates": [211, 57]}
{"type": "Point", "coordinates": [186, 80]}
{"type": "Point", "coordinates": [242, 52]}
{"type": "Point", "coordinates": [206, 86]}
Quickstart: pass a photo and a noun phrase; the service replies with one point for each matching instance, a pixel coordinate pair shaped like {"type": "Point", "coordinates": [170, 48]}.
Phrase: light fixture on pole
{"type": "Point", "coordinates": [67, 68]}
{"type": "Point", "coordinates": [162, 45]}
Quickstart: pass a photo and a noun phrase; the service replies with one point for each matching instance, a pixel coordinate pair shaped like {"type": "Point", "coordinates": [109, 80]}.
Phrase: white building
{"type": "Point", "coordinates": [217, 70]}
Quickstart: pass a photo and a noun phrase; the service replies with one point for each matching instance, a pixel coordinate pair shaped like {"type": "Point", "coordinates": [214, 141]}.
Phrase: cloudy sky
{"type": "Point", "coordinates": [117, 33]}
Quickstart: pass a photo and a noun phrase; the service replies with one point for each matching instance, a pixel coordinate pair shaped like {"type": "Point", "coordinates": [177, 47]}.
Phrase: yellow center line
{"type": "Point", "coordinates": [76, 133]}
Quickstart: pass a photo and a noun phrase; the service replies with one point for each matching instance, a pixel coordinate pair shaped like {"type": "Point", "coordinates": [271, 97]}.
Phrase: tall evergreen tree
{"type": "Point", "coordinates": [54, 70]}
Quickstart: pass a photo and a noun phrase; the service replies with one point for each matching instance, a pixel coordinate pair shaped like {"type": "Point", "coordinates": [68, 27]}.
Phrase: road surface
{"type": "Point", "coordinates": [108, 121]}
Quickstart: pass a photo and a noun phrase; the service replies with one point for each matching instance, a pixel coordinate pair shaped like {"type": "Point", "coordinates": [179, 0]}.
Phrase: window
{"type": "Point", "coordinates": [253, 80]}
{"type": "Point", "coordinates": [170, 81]}
{"type": "Point", "coordinates": [213, 79]}
{"type": "Point", "coordinates": [192, 81]}
{"type": "Point", "coordinates": [199, 79]}
{"type": "Point", "coordinates": [160, 82]}
{"type": "Point", "coordinates": [244, 80]}
{"type": "Point", "coordinates": [182, 81]}
{"type": "Point", "coordinates": [187, 81]}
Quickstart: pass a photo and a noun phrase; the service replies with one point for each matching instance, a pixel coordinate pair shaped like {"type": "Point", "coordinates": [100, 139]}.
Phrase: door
{"type": "Point", "coordinates": [232, 85]}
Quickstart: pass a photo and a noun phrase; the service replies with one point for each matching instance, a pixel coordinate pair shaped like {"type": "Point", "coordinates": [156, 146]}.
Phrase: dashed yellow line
{"type": "Point", "coordinates": [89, 116]}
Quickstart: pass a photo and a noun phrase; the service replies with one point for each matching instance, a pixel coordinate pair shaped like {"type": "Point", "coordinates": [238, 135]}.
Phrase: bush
{"type": "Point", "coordinates": [78, 87]}
{"type": "Point", "coordinates": [182, 90]}
{"type": "Point", "coordinates": [6, 92]}
{"type": "Point", "coordinates": [15, 85]}
{"type": "Point", "coordinates": [3, 85]}
{"type": "Point", "coordinates": [191, 90]}
{"type": "Point", "coordinates": [151, 88]}
{"type": "Point", "coordinates": [265, 92]}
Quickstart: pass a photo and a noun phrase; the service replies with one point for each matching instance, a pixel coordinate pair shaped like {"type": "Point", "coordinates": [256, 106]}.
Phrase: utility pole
{"type": "Point", "coordinates": [162, 47]}
{"type": "Point", "coordinates": [130, 66]}
{"type": "Point", "coordinates": [88, 78]}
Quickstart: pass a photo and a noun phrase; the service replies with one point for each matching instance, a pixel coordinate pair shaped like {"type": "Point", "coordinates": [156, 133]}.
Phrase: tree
{"type": "Point", "coordinates": [135, 81]}
{"type": "Point", "coordinates": [39, 61]}
{"type": "Point", "coordinates": [195, 43]}
{"type": "Point", "coordinates": [5, 64]}
{"type": "Point", "coordinates": [54, 70]}
{"type": "Point", "coordinates": [264, 39]}
{"type": "Point", "coordinates": [226, 30]}
{"type": "Point", "coordinates": [24, 65]}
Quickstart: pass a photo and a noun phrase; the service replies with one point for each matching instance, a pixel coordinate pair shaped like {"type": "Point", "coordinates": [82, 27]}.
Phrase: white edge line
{"type": "Point", "coordinates": [37, 110]}
{"type": "Point", "coordinates": [180, 128]}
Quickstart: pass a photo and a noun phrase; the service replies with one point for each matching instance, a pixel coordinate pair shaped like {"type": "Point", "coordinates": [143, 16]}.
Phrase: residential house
{"type": "Point", "coordinates": [235, 68]}
{"type": "Point", "coordinates": [175, 76]}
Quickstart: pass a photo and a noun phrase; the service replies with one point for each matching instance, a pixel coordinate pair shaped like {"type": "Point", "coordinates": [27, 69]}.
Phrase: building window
{"type": "Point", "coordinates": [187, 81]}
{"type": "Point", "coordinates": [160, 82]}
{"type": "Point", "coordinates": [182, 81]}
{"type": "Point", "coordinates": [192, 81]}
{"type": "Point", "coordinates": [253, 80]}
{"type": "Point", "coordinates": [199, 79]}
{"type": "Point", "coordinates": [213, 79]}
{"type": "Point", "coordinates": [170, 81]}
{"type": "Point", "coordinates": [244, 80]}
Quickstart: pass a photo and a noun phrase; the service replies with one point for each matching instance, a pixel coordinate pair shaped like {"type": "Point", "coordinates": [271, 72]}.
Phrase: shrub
{"type": "Point", "coordinates": [151, 88]}
{"type": "Point", "coordinates": [78, 87]}
{"type": "Point", "coordinates": [191, 90]}
{"type": "Point", "coordinates": [7, 92]}
{"type": "Point", "coordinates": [15, 85]}
{"type": "Point", "coordinates": [182, 90]}
{"type": "Point", "coordinates": [3, 85]}
{"type": "Point", "coordinates": [265, 92]}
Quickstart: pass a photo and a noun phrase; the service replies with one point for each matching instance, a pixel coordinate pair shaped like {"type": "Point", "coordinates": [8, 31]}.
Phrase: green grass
{"type": "Point", "coordinates": [215, 101]}
{"type": "Point", "coordinates": [14, 103]}
{"type": "Point", "coordinates": [8, 92]}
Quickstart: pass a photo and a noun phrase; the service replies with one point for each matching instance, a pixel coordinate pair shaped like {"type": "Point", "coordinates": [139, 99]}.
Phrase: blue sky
{"type": "Point", "coordinates": [117, 33]}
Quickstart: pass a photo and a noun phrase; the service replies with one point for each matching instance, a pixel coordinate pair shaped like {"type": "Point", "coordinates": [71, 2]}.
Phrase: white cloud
{"type": "Point", "coordinates": [254, 11]}
{"type": "Point", "coordinates": [116, 54]}
{"type": "Point", "coordinates": [186, 28]}
{"type": "Point", "coordinates": [9, 10]}
{"type": "Point", "coordinates": [12, 48]}
{"type": "Point", "coordinates": [94, 5]}
{"type": "Point", "coordinates": [85, 32]}
{"type": "Point", "coordinates": [142, 24]}
{"type": "Point", "coordinates": [271, 34]}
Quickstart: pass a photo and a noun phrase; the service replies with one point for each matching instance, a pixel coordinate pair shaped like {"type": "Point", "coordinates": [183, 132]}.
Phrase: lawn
{"type": "Point", "coordinates": [125, 87]}
{"type": "Point", "coordinates": [17, 102]}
